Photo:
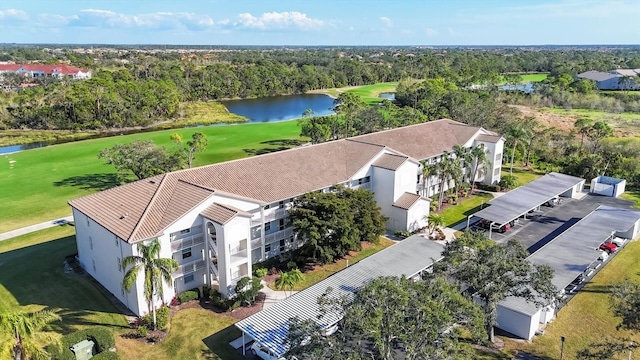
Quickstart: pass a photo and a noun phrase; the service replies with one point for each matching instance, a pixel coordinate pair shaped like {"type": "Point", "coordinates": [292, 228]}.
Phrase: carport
{"type": "Point", "coordinates": [574, 258]}
{"type": "Point", "coordinates": [522, 200]}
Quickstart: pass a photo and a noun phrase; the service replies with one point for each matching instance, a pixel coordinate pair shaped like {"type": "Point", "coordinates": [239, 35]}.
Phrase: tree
{"type": "Point", "coordinates": [464, 159]}
{"type": "Point", "coordinates": [141, 157]}
{"type": "Point", "coordinates": [626, 82]}
{"type": "Point", "coordinates": [393, 314]}
{"type": "Point", "coordinates": [332, 224]}
{"type": "Point", "coordinates": [626, 304]}
{"type": "Point", "coordinates": [21, 335]}
{"type": "Point", "coordinates": [495, 272]}
{"type": "Point", "coordinates": [317, 128]}
{"type": "Point", "coordinates": [480, 161]}
{"type": "Point", "coordinates": [583, 125]}
{"type": "Point", "coordinates": [247, 289]}
{"type": "Point", "coordinates": [348, 105]}
{"type": "Point", "coordinates": [434, 221]}
{"type": "Point", "coordinates": [428, 171]}
{"type": "Point", "coordinates": [447, 168]}
{"type": "Point", "coordinates": [289, 280]}
{"type": "Point", "coordinates": [156, 270]}
{"type": "Point", "coordinates": [515, 134]}
{"type": "Point", "coordinates": [599, 130]}
{"type": "Point", "coordinates": [198, 143]}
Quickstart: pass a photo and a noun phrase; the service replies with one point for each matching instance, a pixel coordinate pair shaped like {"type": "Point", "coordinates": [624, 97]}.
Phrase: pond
{"type": "Point", "coordinates": [280, 108]}
{"type": "Point", "coordinates": [16, 148]}
{"type": "Point", "coordinates": [388, 95]}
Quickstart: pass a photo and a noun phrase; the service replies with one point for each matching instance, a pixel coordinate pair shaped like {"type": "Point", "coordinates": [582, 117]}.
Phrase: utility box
{"type": "Point", "coordinates": [83, 350]}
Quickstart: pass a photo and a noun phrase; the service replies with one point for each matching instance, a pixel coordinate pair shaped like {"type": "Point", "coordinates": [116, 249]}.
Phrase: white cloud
{"type": "Point", "coordinates": [156, 20]}
{"type": "Point", "coordinates": [13, 17]}
{"type": "Point", "coordinates": [278, 21]}
{"type": "Point", "coordinates": [387, 21]}
{"type": "Point", "coordinates": [431, 32]}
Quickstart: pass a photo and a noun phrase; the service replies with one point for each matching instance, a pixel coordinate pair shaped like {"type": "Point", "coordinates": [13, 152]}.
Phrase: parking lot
{"type": "Point", "coordinates": [544, 225]}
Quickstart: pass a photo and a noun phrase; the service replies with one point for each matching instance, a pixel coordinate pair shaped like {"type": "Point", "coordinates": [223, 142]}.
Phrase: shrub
{"type": "Point", "coordinates": [102, 337]}
{"type": "Point", "coordinates": [508, 182]}
{"type": "Point", "coordinates": [247, 289]}
{"type": "Point", "coordinates": [189, 295]}
{"type": "Point", "coordinates": [492, 188]}
{"type": "Point", "coordinates": [143, 331]}
{"type": "Point", "coordinates": [218, 301]}
{"type": "Point", "coordinates": [162, 318]}
{"type": "Point", "coordinates": [453, 199]}
{"type": "Point", "coordinates": [261, 272]}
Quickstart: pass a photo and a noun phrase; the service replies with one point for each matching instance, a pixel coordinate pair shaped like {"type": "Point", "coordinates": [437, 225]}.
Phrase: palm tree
{"type": "Point", "coordinates": [156, 272]}
{"type": "Point", "coordinates": [515, 133]}
{"type": "Point", "coordinates": [464, 158]}
{"type": "Point", "coordinates": [428, 170]}
{"type": "Point", "coordinates": [625, 82]}
{"type": "Point", "coordinates": [288, 280]}
{"type": "Point", "coordinates": [21, 334]}
{"type": "Point", "coordinates": [434, 221]}
{"type": "Point", "coordinates": [446, 169]}
{"type": "Point", "coordinates": [480, 161]}
{"type": "Point", "coordinates": [584, 127]}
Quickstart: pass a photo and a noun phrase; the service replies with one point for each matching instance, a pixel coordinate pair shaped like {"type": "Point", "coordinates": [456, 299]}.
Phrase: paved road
{"type": "Point", "coordinates": [36, 227]}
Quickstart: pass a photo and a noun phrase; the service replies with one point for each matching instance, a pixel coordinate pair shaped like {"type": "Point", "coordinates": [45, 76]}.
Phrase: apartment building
{"type": "Point", "coordinates": [218, 220]}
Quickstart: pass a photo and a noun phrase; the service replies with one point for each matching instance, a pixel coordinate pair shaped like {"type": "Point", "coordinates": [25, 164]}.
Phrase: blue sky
{"type": "Point", "coordinates": [321, 22]}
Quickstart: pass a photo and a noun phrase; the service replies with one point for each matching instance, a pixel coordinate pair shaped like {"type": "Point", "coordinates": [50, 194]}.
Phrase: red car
{"type": "Point", "coordinates": [609, 247]}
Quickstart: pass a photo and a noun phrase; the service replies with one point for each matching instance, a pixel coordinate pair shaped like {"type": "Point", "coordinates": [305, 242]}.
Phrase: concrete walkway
{"type": "Point", "coordinates": [28, 229]}
{"type": "Point", "coordinates": [273, 297]}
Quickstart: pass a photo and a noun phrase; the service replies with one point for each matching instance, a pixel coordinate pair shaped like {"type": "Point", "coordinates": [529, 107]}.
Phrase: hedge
{"type": "Point", "coordinates": [188, 296]}
{"type": "Point", "coordinates": [102, 337]}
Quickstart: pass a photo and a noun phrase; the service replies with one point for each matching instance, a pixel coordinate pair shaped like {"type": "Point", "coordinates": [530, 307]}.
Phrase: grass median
{"type": "Point", "coordinates": [36, 184]}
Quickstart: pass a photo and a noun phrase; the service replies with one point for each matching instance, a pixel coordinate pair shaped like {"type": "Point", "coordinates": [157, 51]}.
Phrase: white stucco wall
{"type": "Point", "coordinates": [516, 323]}
{"type": "Point", "coordinates": [416, 215]}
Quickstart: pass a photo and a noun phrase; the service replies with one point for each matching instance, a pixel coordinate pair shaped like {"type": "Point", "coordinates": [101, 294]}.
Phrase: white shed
{"type": "Point", "coordinates": [607, 186]}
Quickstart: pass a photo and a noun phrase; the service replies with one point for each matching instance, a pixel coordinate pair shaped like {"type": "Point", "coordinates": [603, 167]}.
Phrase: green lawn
{"type": "Point", "coordinates": [587, 317]}
{"type": "Point", "coordinates": [522, 175]}
{"type": "Point", "coordinates": [633, 195]}
{"type": "Point", "coordinates": [527, 78]}
{"type": "Point", "coordinates": [323, 272]}
{"type": "Point", "coordinates": [371, 93]}
{"type": "Point", "coordinates": [194, 334]}
{"type": "Point", "coordinates": [210, 112]}
{"type": "Point", "coordinates": [32, 278]}
{"type": "Point", "coordinates": [36, 184]}
{"type": "Point", "coordinates": [458, 213]}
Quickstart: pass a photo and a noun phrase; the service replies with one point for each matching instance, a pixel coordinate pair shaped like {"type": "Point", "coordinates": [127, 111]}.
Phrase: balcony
{"type": "Point", "coordinates": [256, 244]}
{"type": "Point", "coordinates": [278, 235]}
{"type": "Point", "coordinates": [270, 216]}
{"type": "Point", "coordinates": [366, 186]}
{"type": "Point", "coordinates": [186, 242]}
{"type": "Point", "coordinates": [189, 268]}
{"type": "Point", "coordinates": [238, 257]}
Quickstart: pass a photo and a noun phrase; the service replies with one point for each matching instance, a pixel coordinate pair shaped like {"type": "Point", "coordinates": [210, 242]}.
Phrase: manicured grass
{"type": "Point", "coordinates": [633, 195]}
{"type": "Point", "coordinates": [458, 213]}
{"type": "Point", "coordinates": [32, 278]}
{"type": "Point", "coordinates": [15, 137]}
{"type": "Point", "coordinates": [371, 93]}
{"type": "Point", "coordinates": [528, 78]}
{"type": "Point", "coordinates": [194, 334]}
{"type": "Point", "coordinates": [323, 272]}
{"type": "Point", "coordinates": [210, 112]}
{"type": "Point", "coordinates": [587, 317]}
{"type": "Point", "coordinates": [522, 175]}
{"type": "Point", "coordinates": [36, 184]}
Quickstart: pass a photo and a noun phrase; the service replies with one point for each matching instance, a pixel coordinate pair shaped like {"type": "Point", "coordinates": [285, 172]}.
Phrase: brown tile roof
{"type": "Point", "coordinates": [489, 138]}
{"type": "Point", "coordinates": [423, 141]}
{"type": "Point", "coordinates": [152, 206]}
{"type": "Point", "coordinates": [406, 200]}
{"type": "Point", "coordinates": [390, 161]}
{"type": "Point", "coordinates": [222, 213]}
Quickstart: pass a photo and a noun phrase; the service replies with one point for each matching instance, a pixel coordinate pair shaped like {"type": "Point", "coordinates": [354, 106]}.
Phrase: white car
{"type": "Point", "coordinates": [264, 353]}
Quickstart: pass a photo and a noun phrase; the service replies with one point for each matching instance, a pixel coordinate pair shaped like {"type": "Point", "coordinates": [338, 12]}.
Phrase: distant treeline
{"type": "Point", "coordinates": [131, 88]}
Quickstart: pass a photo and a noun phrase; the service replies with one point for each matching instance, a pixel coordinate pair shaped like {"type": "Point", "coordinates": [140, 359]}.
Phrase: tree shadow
{"type": "Point", "coordinates": [97, 182]}
{"type": "Point", "coordinates": [218, 344]}
{"type": "Point", "coordinates": [274, 146]}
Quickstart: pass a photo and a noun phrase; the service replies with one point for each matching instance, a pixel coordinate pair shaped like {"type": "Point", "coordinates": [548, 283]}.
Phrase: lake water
{"type": "Point", "coordinates": [280, 108]}
{"type": "Point", "coordinates": [388, 95]}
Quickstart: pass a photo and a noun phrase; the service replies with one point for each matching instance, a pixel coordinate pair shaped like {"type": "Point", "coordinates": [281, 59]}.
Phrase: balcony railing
{"type": "Point", "coordinates": [186, 242]}
{"type": "Point", "coordinates": [236, 275]}
{"type": "Point", "coordinates": [239, 257]}
{"type": "Point", "coordinates": [366, 186]}
{"type": "Point", "coordinates": [270, 216]}
{"type": "Point", "coordinates": [278, 235]}
{"type": "Point", "coordinates": [256, 244]}
{"type": "Point", "coordinates": [189, 268]}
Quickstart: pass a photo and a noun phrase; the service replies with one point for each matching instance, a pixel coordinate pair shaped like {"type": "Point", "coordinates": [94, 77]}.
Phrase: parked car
{"type": "Point", "coordinates": [486, 224]}
{"type": "Point", "coordinates": [609, 247]}
{"type": "Point", "coordinates": [264, 353]}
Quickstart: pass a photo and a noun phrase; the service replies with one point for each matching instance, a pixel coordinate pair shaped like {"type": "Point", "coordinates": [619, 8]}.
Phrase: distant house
{"type": "Point", "coordinates": [40, 70]}
{"type": "Point", "coordinates": [613, 80]}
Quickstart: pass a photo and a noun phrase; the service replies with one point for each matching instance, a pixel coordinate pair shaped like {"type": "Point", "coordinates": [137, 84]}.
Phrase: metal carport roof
{"type": "Point", "coordinates": [573, 251]}
{"type": "Point", "coordinates": [527, 197]}
{"type": "Point", "coordinates": [408, 257]}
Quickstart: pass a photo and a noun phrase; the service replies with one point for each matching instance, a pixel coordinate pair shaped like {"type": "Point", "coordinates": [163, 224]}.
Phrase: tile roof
{"type": "Point", "coordinates": [407, 257]}
{"type": "Point", "coordinates": [489, 138]}
{"type": "Point", "coordinates": [222, 213]}
{"type": "Point", "coordinates": [45, 68]}
{"type": "Point", "coordinates": [406, 200]}
{"type": "Point", "coordinates": [390, 161]}
{"type": "Point", "coordinates": [423, 141]}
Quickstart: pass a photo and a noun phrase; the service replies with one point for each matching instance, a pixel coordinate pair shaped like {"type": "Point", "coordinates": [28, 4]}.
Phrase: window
{"type": "Point", "coordinates": [117, 242]}
{"type": "Point", "coordinates": [188, 278]}
{"type": "Point", "coordinates": [281, 245]}
{"type": "Point", "coordinates": [281, 224]}
{"type": "Point", "coordinates": [185, 231]}
{"type": "Point", "coordinates": [267, 226]}
{"type": "Point", "coordinates": [186, 253]}
{"type": "Point", "coordinates": [91, 242]}
{"type": "Point", "coordinates": [364, 180]}
{"type": "Point", "coordinates": [281, 205]}
{"type": "Point", "coordinates": [119, 265]}
{"type": "Point", "coordinates": [267, 248]}
{"type": "Point", "coordinates": [291, 239]}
